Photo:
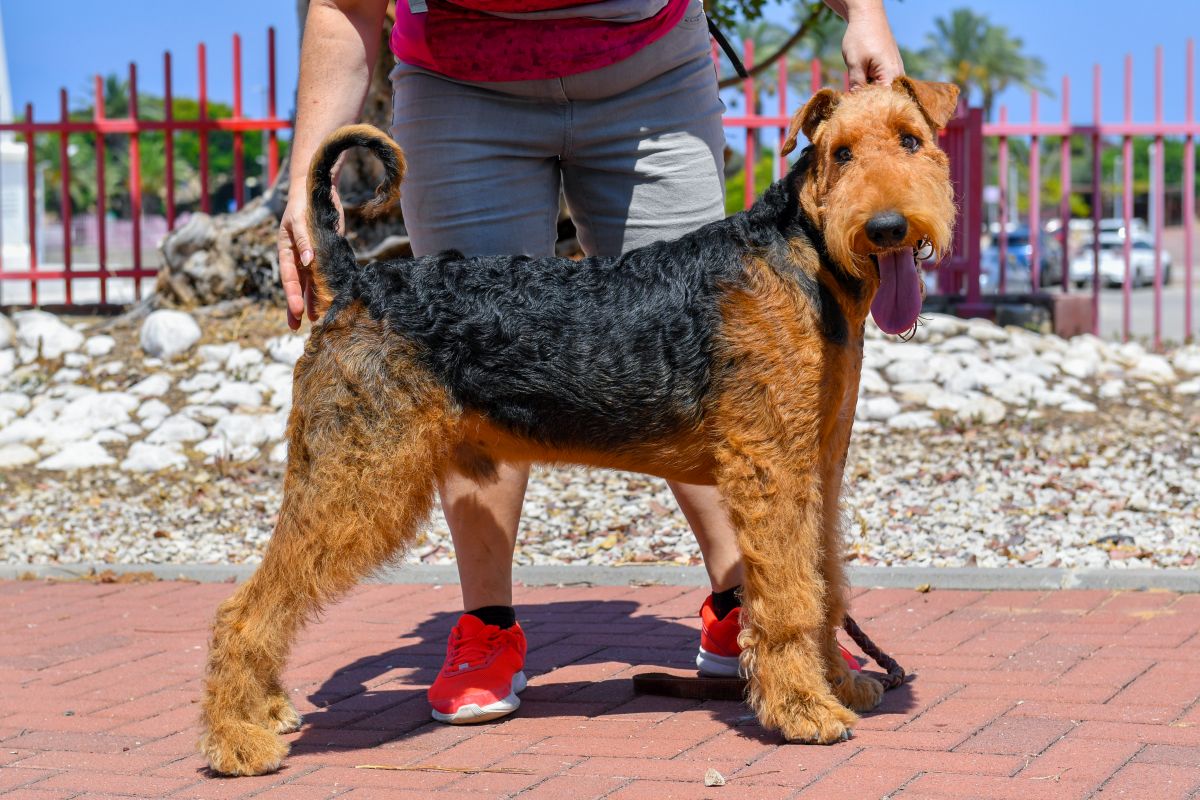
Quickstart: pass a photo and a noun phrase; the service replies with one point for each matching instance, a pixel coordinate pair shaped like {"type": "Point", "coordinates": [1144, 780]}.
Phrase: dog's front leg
{"type": "Point", "coordinates": [776, 506]}
{"type": "Point", "coordinates": [855, 690]}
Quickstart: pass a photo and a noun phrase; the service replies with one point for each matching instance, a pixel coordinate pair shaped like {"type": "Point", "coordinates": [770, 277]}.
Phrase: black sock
{"type": "Point", "coordinates": [500, 616]}
{"type": "Point", "coordinates": [726, 601]}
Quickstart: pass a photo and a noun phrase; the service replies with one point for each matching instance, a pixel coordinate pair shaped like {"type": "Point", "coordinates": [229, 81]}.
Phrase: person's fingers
{"type": "Point", "coordinates": [289, 276]}
{"type": "Point", "coordinates": [300, 236]}
{"type": "Point", "coordinates": [858, 75]}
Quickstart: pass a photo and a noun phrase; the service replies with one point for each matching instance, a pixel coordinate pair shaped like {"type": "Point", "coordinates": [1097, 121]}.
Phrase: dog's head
{"type": "Point", "coordinates": [878, 186]}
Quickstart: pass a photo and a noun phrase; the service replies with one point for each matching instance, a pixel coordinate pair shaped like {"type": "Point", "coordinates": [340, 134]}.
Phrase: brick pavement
{"type": "Point", "coordinates": [1026, 695]}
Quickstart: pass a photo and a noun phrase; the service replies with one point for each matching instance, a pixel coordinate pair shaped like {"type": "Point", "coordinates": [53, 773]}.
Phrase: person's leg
{"type": "Point", "coordinates": [645, 165]}
{"type": "Point", "coordinates": [461, 176]}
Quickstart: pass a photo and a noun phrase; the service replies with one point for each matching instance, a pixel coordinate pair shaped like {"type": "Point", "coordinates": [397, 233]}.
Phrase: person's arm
{"type": "Point", "coordinates": [868, 47]}
{"type": "Point", "coordinates": [341, 42]}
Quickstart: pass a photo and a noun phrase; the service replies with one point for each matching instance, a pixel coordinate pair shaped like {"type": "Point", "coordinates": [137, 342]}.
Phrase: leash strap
{"type": "Point", "coordinates": [738, 66]}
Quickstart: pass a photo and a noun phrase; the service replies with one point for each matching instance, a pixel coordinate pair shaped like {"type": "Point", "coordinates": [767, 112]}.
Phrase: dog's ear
{"type": "Point", "coordinates": [937, 101]}
{"type": "Point", "coordinates": [810, 117]}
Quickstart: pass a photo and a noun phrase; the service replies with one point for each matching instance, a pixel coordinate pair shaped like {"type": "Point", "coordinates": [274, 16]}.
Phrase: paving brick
{"type": "Point", "coordinates": [989, 787]}
{"type": "Point", "coordinates": [865, 781]}
{"type": "Point", "coordinates": [1016, 736]}
{"type": "Point", "coordinates": [1159, 781]}
{"type": "Point", "coordinates": [689, 790]}
{"type": "Point", "coordinates": [572, 786]}
{"type": "Point", "coordinates": [13, 777]}
{"type": "Point", "coordinates": [117, 783]}
{"type": "Point", "coordinates": [967, 763]}
{"type": "Point", "coordinates": [1169, 754]}
{"type": "Point", "coordinates": [959, 715]}
{"type": "Point", "coordinates": [1086, 761]}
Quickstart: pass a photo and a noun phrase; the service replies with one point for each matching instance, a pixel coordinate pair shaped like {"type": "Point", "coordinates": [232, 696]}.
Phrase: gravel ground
{"type": "Point", "coordinates": [1114, 481]}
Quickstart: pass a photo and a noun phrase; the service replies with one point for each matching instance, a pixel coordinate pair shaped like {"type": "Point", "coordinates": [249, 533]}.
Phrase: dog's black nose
{"type": "Point", "coordinates": [887, 229]}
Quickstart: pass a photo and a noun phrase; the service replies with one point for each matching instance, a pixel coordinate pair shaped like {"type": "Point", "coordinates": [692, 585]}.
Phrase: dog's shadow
{"type": "Point", "coordinates": [581, 659]}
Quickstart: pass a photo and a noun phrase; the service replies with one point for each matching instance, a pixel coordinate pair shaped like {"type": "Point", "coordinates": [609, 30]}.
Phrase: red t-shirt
{"type": "Point", "coordinates": [467, 41]}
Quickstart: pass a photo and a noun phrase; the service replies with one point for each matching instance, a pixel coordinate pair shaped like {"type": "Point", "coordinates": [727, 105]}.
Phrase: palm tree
{"type": "Point", "coordinates": [969, 50]}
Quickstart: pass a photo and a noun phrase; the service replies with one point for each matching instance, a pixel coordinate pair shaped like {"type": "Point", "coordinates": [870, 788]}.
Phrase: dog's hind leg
{"type": "Point", "coordinates": [367, 440]}
{"type": "Point", "coordinates": [855, 690]}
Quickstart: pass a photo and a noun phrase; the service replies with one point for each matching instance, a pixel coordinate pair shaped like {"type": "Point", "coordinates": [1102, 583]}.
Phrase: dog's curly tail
{"type": "Point", "coordinates": [335, 266]}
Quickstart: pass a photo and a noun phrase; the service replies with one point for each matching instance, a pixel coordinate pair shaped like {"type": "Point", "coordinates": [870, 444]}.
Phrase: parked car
{"type": "Point", "coordinates": [1112, 261]}
{"type": "Point", "coordinates": [1017, 277]}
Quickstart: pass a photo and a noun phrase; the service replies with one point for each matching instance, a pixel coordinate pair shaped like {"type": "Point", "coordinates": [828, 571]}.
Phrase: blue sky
{"type": "Point", "coordinates": [63, 43]}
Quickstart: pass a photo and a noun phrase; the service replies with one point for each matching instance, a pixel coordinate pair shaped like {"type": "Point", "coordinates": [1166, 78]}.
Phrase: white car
{"type": "Point", "coordinates": [1112, 262]}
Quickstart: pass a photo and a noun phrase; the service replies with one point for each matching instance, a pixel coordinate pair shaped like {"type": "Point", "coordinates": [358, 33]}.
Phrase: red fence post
{"type": "Point", "coordinates": [272, 136]}
{"type": "Point", "coordinates": [101, 191]}
{"type": "Point", "coordinates": [31, 184]}
{"type": "Point", "coordinates": [1127, 198]}
{"type": "Point", "coordinates": [1002, 249]}
{"type": "Point", "coordinates": [135, 183]}
{"type": "Point", "coordinates": [1097, 199]}
{"type": "Point", "coordinates": [1035, 199]}
{"type": "Point", "coordinates": [1156, 198]}
{"type": "Point", "coordinates": [239, 168]}
{"type": "Point", "coordinates": [1064, 180]}
{"type": "Point", "coordinates": [1189, 189]}
{"type": "Point", "coordinates": [169, 139]}
{"type": "Point", "coordinates": [64, 159]}
{"type": "Point", "coordinates": [201, 59]}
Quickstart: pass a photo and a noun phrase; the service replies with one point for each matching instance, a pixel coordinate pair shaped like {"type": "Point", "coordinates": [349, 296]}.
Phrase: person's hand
{"type": "Point", "coordinates": [869, 48]}
{"type": "Point", "coordinates": [296, 256]}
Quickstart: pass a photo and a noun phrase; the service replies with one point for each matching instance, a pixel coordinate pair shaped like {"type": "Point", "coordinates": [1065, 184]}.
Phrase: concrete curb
{"type": "Point", "coordinates": [1002, 578]}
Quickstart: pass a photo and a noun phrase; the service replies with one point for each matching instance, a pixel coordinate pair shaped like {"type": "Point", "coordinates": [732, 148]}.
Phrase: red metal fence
{"type": "Point", "coordinates": [964, 140]}
{"type": "Point", "coordinates": [133, 125]}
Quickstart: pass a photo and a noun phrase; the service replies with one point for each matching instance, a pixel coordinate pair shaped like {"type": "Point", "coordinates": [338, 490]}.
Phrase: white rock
{"type": "Point", "coordinates": [944, 324]}
{"type": "Point", "coordinates": [275, 425]}
{"type": "Point", "coordinates": [1187, 359]}
{"type": "Point", "coordinates": [218, 448]}
{"type": "Point", "coordinates": [167, 333]}
{"type": "Point", "coordinates": [870, 382]}
{"type": "Point", "coordinates": [37, 328]}
{"type": "Point", "coordinates": [916, 393]}
{"type": "Point", "coordinates": [153, 408]}
{"type": "Point", "coordinates": [1079, 367]}
{"type": "Point", "coordinates": [107, 436]}
{"type": "Point", "coordinates": [877, 408]}
{"type": "Point", "coordinates": [1153, 368]}
{"type": "Point", "coordinates": [910, 371]}
{"type": "Point", "coordinates": [14, 401]}
{"type": "Point", "coordinates": [287, 349]}
{"type": "Point", "coordinates": [1078, 406]}
{"type": "Point", "coordinates": [199, 398]}
{"type": "Point", "coordinates": [66, 375]}
{"type": "Point", "coordinates": [201, 381]}
{"type": "Point", "coordinates": [62, 433]}
{"type": "Point", "coordinates": [986, 331]}
{"type": "Point", "coordinates": [23, 431]}
{"type": "Point", "coordinates": [155, 385]}
{"type": "Point", "coordinates": [1033, 365]}
{"type": "Point", "coordinates": [243, 358]}
{"type": "Point", "coordinates": [237, 393]}
{"type": "Point", "coordinates": [1055, 397]}
{"type": "Point", "coordinates": [7, 415]}
{"type": "Point", "coordinates": [100, 410]}
{"type": "Point", "coordinates": [913, 420]}
{"type": "Point", "coordinates": [959, 344]}
{"type": "Point", "coordinates": [1019, 389]}
{"type": "Point", "coordinates": [244, 429]}
{"type": "Point", "coordinates": [1188, 387]}
{"type": "Point", "coordinates": [217, 353]}
{"type": "Point", "coordinates": [101, 345]}
{"type": "Point", "coordinates": [110, 368]}
{"type": "Point", "coordinates": [129, 429]}
{"type": "Point", "coordinates": [8, 362]}
{"type": "Point", "coordinates": [152, 423]}
{"type": "Point", "coordinates": [76, 360]}
{"type": "Point", "coordinates": [1111, 389]}
{"type": "Point", "coordinates": [145, 457]}
{"type": "Point", "coordinates": [78, 455]}
{"type": "Point", "coordinates": [178, 428]}
{"type": "Point", "coordinates": [8, 332]}
{"type": "Point", "coordinates": [16, 455]}
{"type": "Point", "coordinates": [947, 401]}
{"type": "Point", "coordinates": [279, 453]}
{"type": "Point", "coordinates": [152, 363]}
{"type": "Point", "coordinates": [981, 409]}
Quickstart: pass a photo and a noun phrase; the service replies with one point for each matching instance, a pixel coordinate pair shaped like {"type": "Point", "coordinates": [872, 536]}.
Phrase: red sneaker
{"type": "Point", "coordinates": [482, 674]}
{"type": "Point", "coordinates": [719, 650]}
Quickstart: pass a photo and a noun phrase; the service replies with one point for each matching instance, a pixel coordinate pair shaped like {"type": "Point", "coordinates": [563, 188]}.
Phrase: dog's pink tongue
{"type": "Point", "coordinates": [898, 301]}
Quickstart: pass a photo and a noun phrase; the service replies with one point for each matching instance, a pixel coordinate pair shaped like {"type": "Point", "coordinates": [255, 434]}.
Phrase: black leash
{"type": "Point", "coordinates": [738, 66]}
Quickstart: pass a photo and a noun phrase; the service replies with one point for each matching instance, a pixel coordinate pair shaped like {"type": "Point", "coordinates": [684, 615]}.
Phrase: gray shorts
{"type": "Point", "coordinates": [637, 148]}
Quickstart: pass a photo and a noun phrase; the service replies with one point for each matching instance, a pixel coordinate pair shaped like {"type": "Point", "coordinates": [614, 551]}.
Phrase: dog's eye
{"type": "Point", "coordinates": [842, 155]}
{"type": "Point", "coordinates": [909, 142]}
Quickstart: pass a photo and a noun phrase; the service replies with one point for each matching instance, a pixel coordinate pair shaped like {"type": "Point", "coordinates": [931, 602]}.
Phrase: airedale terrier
{"type": "Point", "coordinates": [729, 356]}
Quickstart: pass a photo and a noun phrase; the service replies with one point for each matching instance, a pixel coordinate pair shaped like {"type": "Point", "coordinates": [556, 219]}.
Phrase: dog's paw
{"type": "Point", "coordinates": [242, 748]}
{"type": "Point", "coordinates": [859, 692]}
{"type": "Point", "coordinates": [819, 721]}
{"type": "Point", "coordinates": [282, 716]}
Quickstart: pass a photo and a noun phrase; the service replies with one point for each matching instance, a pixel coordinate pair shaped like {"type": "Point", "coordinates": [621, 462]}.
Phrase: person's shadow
{"type": "Point", "coordinates": [582, 656]}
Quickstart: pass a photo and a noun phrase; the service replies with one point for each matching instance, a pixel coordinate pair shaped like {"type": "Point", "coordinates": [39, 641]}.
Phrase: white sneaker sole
{"type": "Point", "coordinates": [715, 666]}
{"type": "Point", "coordinates": [473, 713]}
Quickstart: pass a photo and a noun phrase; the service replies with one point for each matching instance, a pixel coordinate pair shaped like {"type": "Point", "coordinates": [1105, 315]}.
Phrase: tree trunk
{"type": "Point", "coordinates": [226, 256]}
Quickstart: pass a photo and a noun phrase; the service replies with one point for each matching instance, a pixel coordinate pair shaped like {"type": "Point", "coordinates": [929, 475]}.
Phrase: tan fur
{"type": "Point", "coordinates": [371, 431]}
